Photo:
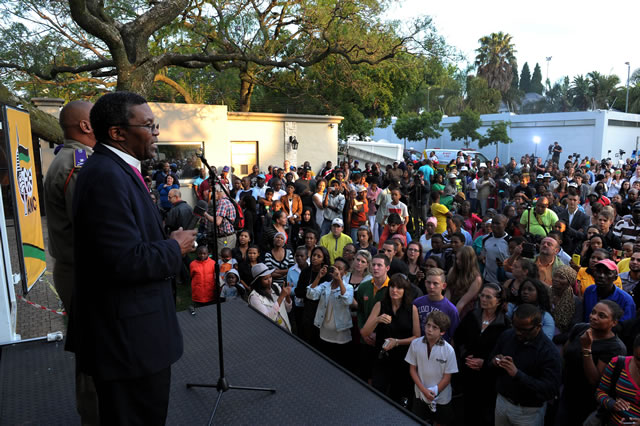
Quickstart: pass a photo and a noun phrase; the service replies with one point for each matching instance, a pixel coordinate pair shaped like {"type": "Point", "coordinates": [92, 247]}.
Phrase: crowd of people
{"type": "Point", "coordinates": [510, 289]}
{"type": "Point", "coordinates": [468, 292]}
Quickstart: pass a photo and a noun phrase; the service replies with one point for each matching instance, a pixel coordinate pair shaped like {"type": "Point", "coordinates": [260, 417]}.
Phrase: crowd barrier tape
{"type": "Point", "coordinates": [44, 308]}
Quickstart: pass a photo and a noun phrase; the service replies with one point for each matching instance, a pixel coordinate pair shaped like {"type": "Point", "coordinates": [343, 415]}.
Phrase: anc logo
{"type": "Point", "coordinates": [25, 179]}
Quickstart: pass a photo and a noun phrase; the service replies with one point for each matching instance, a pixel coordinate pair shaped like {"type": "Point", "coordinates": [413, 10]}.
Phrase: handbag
{"type": "Point", "coordinates": [600, 417]}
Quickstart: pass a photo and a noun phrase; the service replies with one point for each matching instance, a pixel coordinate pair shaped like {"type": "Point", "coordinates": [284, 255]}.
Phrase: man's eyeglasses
{"type": "Point", "coordinates": [150, 127]}
{"type": "Point", "coordinates": [525, 330]}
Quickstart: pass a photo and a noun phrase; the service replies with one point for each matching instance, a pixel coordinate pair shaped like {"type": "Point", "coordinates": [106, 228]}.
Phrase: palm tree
{"type": "Point", "coordinates": [558, 98]}
{"type": "Point", "coordinates": [635, 77]}
{"type": "Point", "coordinates": [603, 89]}
{"type": "Point", "coordinates": [495, 60]}
{"type": "Point", "coordinates": [580, 93]}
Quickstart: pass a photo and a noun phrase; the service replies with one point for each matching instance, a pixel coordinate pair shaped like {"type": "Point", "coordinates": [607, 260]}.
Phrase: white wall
{"type": "Point", "coordinates": [587, 133]}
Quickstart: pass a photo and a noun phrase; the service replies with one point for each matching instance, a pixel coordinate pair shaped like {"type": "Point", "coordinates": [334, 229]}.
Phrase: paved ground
{"type": "Point", "coordinates": [33, 321]}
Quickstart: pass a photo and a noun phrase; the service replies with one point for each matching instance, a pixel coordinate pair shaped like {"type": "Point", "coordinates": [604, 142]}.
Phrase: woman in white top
{"type": "Point", "coordinates": [332, 316]}
{"type": "Point", "coordinates": [268, 298]}
{"type": "Point", "coordinates": [318, 198]}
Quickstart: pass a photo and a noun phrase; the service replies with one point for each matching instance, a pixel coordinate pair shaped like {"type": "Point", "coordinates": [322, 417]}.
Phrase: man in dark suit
{"type": "Point", "coordinates": [577, 221]}
{"type": "Point", "coordinates": [123, 327]}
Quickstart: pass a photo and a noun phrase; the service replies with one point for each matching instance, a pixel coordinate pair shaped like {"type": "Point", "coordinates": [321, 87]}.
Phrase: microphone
{"type": "Point", "coordinates": [198, 214]}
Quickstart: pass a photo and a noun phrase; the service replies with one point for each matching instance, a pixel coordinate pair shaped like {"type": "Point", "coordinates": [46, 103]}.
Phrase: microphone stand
{"type": "Point", "coordinates": [222, 385]}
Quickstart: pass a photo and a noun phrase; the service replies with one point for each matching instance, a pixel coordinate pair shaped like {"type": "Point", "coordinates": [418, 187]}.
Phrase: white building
{"type": "Point", "coordinates": [598, 134]}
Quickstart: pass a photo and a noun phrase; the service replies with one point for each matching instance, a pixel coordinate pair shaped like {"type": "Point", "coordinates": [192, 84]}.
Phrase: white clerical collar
{"type": "Point", "coordinates": [129, 159]}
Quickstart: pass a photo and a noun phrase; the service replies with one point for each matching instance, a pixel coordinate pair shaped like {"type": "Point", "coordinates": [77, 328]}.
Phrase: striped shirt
{"type": "Point", "coordinates": [626, 230]}
{"type": "Point", "coordinates": [626, 389]}
{"type": "Point", "coordinates": [272, 263]}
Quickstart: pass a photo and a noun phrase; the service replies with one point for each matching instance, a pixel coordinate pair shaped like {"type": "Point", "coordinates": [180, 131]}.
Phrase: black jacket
{"type": "Point", "coordinates": [179, 216]}
{"type": "Point", "coordinates": [539, 367]}
{"type": "Point", "coordinates": [123, 324]}
{"type": "Point", "coordinates": [576, 230]}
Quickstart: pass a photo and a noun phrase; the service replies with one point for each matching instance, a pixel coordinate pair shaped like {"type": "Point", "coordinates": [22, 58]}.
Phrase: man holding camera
{"type": "Point", "coordinates": [528, 370]}
{"type": "Point", "coordinates": [556, 150]}
{"type": "Point", "coordinates": [538, 220]}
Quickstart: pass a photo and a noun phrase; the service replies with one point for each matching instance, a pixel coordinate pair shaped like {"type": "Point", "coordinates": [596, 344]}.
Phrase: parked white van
{"type": "Point", "coordinates": [445, 156]}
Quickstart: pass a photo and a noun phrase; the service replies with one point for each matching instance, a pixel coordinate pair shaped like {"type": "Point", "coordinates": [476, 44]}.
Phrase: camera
{"type": "Point", "coordinates": [383, 354]}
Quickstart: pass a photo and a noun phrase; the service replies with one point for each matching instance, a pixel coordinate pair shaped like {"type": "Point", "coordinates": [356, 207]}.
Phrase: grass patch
{"type": "Point", "coordinates": [183, 297]}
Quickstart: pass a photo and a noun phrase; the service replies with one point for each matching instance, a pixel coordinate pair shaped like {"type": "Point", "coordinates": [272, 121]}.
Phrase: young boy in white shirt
{"type": "Point", "coordinates": [432, 362]}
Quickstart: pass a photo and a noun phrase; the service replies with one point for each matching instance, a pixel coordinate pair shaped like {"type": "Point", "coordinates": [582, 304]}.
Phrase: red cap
{"type": "Point", "coordinates": [610, 264]}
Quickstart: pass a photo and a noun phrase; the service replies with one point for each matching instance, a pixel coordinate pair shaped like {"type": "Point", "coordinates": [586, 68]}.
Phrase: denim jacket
{"type": "Point", "coordinates": [341, 312]}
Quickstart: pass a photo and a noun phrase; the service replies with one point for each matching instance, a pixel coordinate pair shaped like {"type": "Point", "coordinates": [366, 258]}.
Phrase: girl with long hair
{"type": "Point", "coordinates": [475, 338]}
{"type": "Point", "coordinates": [464, 281]}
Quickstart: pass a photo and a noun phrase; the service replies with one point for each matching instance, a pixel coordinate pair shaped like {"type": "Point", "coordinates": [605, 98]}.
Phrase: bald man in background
{"type": "Point", "coordinates": [59, 185]}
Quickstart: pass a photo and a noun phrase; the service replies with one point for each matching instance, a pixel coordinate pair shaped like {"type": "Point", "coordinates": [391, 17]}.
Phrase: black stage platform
{"type": "Point", "coordinates": [37, 379]}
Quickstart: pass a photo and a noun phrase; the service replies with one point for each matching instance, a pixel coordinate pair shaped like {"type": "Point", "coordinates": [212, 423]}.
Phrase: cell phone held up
{"type": "Point", "coordinates": [528, 250]}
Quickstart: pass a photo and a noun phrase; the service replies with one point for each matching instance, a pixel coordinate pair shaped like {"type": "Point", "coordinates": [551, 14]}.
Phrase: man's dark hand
{"type": "Point", "coordinates": [185, 239]}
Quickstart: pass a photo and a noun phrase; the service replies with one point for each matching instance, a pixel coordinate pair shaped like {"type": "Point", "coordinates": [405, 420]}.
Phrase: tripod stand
{"type": "Point", "coordinates": [222, 385]}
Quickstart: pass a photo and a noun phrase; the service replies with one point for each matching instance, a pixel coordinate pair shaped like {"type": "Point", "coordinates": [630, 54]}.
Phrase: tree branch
{"type": "Point", "coordinates": [181, 90]}
{"type": "Point", "coordinates": [92, 18]}
{"type": "Point", "coordinates": [43, 125]}
{"type": "Point", "coordinates": [54, 71]}
{"type": "Point", "coordinates": [135, 34]}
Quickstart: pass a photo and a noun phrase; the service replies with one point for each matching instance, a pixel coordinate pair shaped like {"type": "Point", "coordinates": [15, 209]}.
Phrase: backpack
{"type": "Point", "coordinates": [238, 222]}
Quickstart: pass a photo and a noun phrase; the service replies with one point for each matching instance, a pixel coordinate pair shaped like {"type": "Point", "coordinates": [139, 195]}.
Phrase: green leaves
{"type": "Point", "coordinates": [498, 132]}
{"type": "Point", "coordinates": [536, 80]}
{"type": "Point", "coordinates": [417, 127]}
{"type": "Point", "coordinates": [467, 127]}
{"type": "Point", "coordinates": [495, 60]}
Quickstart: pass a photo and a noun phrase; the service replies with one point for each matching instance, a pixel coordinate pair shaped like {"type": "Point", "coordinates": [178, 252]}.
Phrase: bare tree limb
{"type": "Point", "coordinates": [54, 71]}
{"type": "Point", "coordinates": [43, 125]}
{"type": "Point", "coordinates": [178, 88]}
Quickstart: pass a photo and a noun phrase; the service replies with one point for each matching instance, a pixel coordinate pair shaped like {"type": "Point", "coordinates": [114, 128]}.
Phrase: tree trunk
{"type": "Point", "coordinates": [246, 90]}
{"type": "Point", "coordinates": [136, 79]}
{"type": "Point", "coordinates": [43, 125]}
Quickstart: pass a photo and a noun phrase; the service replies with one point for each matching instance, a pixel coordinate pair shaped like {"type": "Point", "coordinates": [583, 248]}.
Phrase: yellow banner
{"type": "Point", "coordinates": [25, 195]}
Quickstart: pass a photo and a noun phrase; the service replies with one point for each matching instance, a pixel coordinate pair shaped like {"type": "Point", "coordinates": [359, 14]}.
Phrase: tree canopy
{"type": "Point", "coordinates": [127, 44]}
{"type": "Point", "coordinates": [466, 129]}
{"type": "Point", "coordinates": [417, 127]}
{"type": "Point", "coordinates": [525, 78]}
{"type": "Point", "coordinates": [536, 80]}
{"type": "Point", "coordinates": [498, 132]}
{"type": "Point", "coordinates": [496, 60]}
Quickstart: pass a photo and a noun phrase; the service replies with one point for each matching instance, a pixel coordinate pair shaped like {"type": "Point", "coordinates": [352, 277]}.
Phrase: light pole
{"type": "Point", "coordinates": [536, 140]}
{"type": "Point", "coordinates": [626, 104]}
{"type": "Point", "coordinates": [548, 82]}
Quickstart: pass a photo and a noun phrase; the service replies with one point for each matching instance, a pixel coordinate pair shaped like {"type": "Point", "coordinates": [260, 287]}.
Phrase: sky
{"type": "Point", "coordinates": [579, 36]}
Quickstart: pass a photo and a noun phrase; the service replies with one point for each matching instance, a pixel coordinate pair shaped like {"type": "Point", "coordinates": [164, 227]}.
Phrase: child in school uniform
{"type": "Point", "coordinates": [432, 362]}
